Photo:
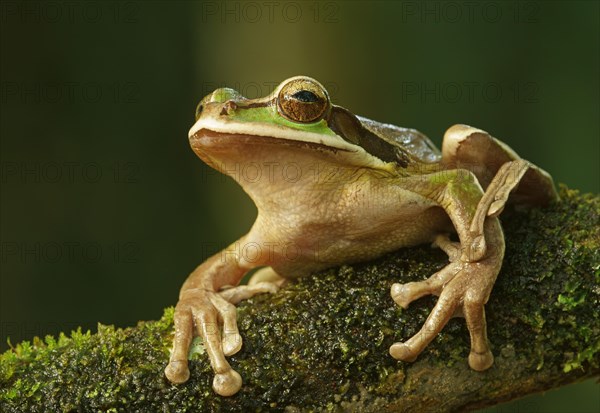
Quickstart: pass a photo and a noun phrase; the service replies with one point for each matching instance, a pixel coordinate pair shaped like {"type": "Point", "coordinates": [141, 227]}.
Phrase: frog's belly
{"type": "Point", "coordinates": [319, 248]}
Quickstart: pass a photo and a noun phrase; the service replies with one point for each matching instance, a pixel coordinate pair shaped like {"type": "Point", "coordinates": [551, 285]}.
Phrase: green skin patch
{"type": "Point", "coordinates": [268, 116]}
{"type": "Point", "coordinates": [265, 115]}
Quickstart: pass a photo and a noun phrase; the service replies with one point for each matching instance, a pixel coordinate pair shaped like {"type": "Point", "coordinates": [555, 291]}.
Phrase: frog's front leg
{"type": "Point", "coordinates": [493, 201]}
{"type": "Point", "coordinates": [200, 309]}
{"type": "Point", "coordinates": [464, 285]}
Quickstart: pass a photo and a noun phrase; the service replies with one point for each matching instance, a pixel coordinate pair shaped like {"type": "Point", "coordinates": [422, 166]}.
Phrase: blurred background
{"type": "Point", "coordinates": [105, 209]}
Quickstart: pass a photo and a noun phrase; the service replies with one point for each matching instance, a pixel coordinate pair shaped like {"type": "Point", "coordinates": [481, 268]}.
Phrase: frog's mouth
{"type": "Point", "coordinates": [224, 150]}
{"type": "Point", "coordinates": [216, 142]}
{"type": "Point", "coordinates": [206, 139]}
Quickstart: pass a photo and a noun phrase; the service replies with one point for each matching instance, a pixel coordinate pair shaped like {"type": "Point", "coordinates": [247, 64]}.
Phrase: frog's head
{"type": "Point", "coordinates": [296, 122]}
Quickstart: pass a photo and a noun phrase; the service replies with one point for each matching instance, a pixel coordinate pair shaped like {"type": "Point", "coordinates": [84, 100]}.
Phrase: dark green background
{"type": "Point", "coordinates": [105, 209]}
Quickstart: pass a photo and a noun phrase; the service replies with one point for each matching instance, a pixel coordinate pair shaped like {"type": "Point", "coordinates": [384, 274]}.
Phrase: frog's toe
{"type": "Point", "coordinates": [227, 383]}
{"type": "Point", "coordinates": [480, 357]}
{"type": "Point", "coordinates": [267, 274]}
{"type": "Point", "coordinates": [492, 203]}
{"type": "Point", "coordinates": [512, 172]}
{"type": "Point", "coordinates": [496, 208]}
{"type": "Point", "coordinates": [451, 248]}
{"type": "Point", "coordinates": [481, 361]}
{"type": "Point", "coordinates": [401, 351]}
{"type": "Point", "coordinates": [402, 294]}
{"type": "Point", "coordinates": [231, 340]}
{"type": "Point", "coordinates": [243, 292]}
{"type": "Point", "coordinates": [232, 343]}
{"type": "Point", "coordinates": [177, 371]}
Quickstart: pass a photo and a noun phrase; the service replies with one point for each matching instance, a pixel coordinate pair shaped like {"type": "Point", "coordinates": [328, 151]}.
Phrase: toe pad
{"type": "Point", "coordinates": [228, 383]}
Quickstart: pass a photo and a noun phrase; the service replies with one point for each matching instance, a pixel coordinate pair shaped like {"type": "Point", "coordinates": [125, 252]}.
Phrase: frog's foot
{"type": "Point", "coordinates": [201, 310]}
{"type": "Point", "coordinates": [204, 312]}
{"type": "Point", "coordinates": [463, 289]}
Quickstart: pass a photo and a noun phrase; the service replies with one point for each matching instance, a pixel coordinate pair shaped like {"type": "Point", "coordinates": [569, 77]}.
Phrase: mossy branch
{"type": "Point", "coordinates": [322, 344]}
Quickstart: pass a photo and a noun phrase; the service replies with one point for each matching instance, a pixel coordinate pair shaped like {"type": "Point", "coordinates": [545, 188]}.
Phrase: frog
{"type": "Point", "coordinates": [333, 188]}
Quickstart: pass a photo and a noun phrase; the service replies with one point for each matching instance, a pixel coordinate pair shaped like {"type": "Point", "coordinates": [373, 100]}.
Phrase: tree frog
{"type": "Point", "coordinates": [333, 188]}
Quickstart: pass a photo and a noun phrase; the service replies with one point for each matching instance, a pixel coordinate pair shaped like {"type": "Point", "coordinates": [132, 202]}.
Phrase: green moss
{"type": "Point", "coordinates": [322, 343]}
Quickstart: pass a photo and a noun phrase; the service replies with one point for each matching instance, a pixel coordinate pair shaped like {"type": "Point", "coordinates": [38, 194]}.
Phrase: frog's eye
{"type": "Point", "coordinates": [303, 100]}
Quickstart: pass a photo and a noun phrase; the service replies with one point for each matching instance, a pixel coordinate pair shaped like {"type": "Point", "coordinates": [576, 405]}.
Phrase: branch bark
{"type": "Point", "coordinates": [322, 343]}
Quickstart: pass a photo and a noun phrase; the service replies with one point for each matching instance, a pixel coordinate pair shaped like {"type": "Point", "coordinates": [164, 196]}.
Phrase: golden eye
{"type": "Point", "coordinates": [303, 100]}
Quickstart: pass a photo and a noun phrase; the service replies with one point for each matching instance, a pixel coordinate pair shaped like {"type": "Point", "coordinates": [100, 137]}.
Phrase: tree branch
{"type": "Point", "coordinates": [323, 342]}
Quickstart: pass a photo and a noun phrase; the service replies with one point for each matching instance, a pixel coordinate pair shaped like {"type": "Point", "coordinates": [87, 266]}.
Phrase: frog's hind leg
{"type": "Point", "coordinates": [476, 150]}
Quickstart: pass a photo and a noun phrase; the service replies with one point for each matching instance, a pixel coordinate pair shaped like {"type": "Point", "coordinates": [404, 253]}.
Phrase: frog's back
{"type": "Point", "coordinates": [411, 141]}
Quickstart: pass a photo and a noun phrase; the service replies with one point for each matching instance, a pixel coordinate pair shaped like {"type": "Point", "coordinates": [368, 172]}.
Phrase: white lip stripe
{"type": "Point", "coordinates": [273, 131]}
{"type": "Point", "coordinates": [353, 154]}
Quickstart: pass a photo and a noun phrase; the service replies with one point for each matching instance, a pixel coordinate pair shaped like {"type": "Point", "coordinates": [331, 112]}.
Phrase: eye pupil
{"type": "Point", "coordinates": [305, 96]}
